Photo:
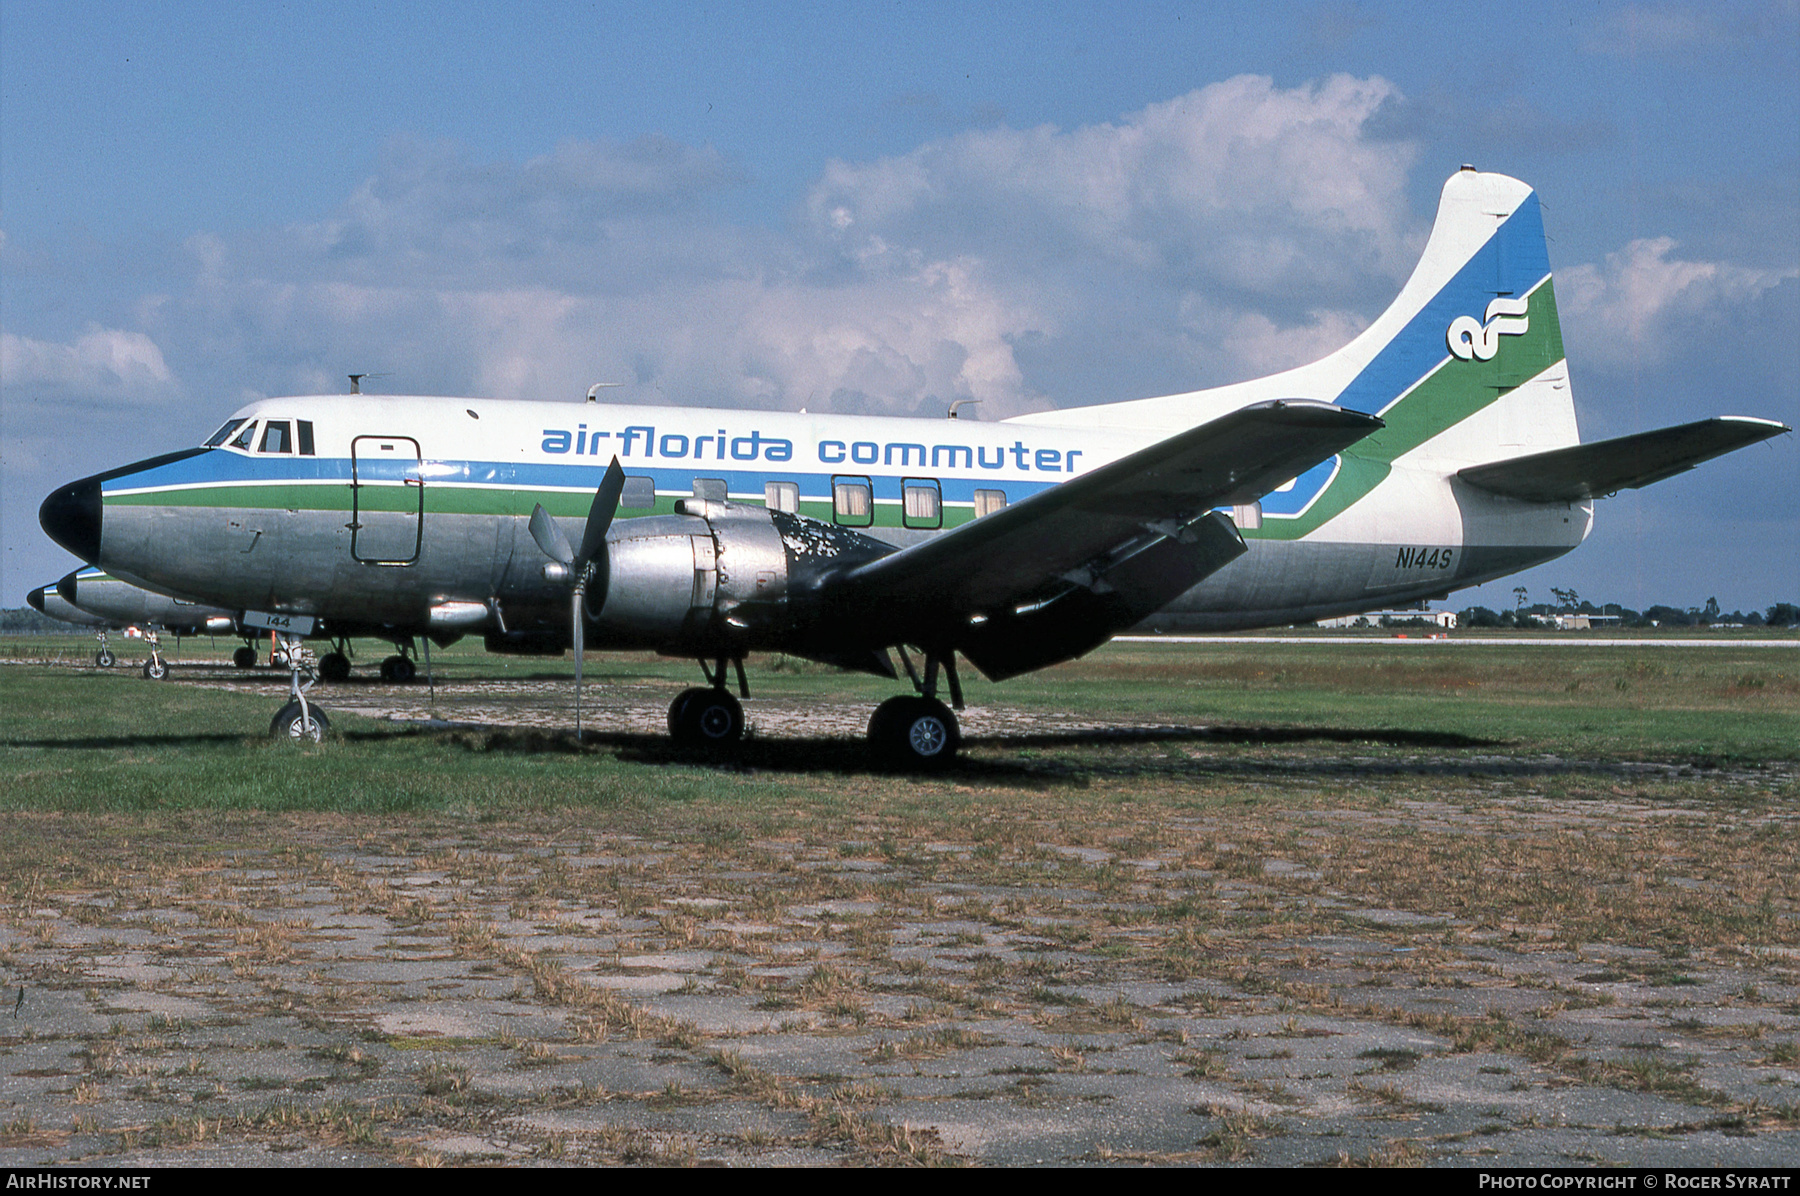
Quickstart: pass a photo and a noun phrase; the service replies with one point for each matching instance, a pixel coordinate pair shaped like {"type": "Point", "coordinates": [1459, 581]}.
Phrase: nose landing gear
{"type": "Point", "coordinates": [299, 720]}
{"type": "Point", "coordinates": [156, 668]}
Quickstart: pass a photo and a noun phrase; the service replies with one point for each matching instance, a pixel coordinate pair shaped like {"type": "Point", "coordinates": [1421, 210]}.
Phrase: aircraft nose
{"type": "Point", "coordinates": [71, 517]}
{"type": "Point", "coordinates": [66, 588]}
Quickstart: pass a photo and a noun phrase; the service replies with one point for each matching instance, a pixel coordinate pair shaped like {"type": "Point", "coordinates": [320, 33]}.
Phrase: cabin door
{"type": "Point", "coordinates": [387, 500]}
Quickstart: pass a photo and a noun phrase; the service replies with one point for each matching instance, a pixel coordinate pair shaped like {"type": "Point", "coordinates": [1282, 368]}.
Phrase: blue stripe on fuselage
{"type": "Point", "coordinates": [223, 467]}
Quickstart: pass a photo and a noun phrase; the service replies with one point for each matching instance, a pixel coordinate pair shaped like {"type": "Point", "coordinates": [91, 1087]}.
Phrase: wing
{"type": "Point", "coordinates": [1626, 463]}
{"type": "Point", "coordinates": [1061, 572]}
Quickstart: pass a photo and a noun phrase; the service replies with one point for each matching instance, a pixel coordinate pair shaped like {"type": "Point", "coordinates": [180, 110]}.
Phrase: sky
{"type": "Point", "coordinates": [884, 207]}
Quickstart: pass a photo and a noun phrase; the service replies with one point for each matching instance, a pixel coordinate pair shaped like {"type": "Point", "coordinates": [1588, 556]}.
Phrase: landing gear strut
{"type": "Point", "coordinates": [156, 668]}
{"type": "Point", "coordinates": [104, 657]}
{"type": "Point", "coordinates": [710, 716]}
{"type": "Point", "coordinates": [919, 732]}
{"type": "Point", "coordinates": [299, 719]}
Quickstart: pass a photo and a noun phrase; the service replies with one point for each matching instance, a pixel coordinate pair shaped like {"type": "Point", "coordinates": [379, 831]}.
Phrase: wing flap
{"type": "Point", "coordinates": [1079, 618]}
{"type": "Point", "coordinates": [1594, 470]}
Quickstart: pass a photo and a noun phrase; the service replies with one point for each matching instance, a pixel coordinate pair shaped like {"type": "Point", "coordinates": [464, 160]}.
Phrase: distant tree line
{"type": "Point", "coordinates": [1568, 602]}
{"type": "Point", "coordinates": [28, 621]}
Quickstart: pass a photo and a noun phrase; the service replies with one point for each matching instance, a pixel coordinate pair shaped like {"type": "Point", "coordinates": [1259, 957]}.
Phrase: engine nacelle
{"type": "Point", "coordinates": [714, 578]}
{"type": "Point", "coordinates": [680, 580]}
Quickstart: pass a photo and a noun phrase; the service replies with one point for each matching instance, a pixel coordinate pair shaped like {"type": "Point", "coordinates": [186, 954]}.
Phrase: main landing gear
{"type": "Point", "coordinates": [710, 716]}
{"type": "Point", "coordinates": [399, 668]}
{"type": "Point", "coordinates": [919, 732]}
{"type": "Point", "coordinates": [913, 731]}
{"type": "Point", "coordinates": [244, 657]}
{"type": "Point", "coordinates": [299, 720]}
{"type": "Point", "coordinates": [334, 666]}
{"type": "Point", "coordinates": [104, 656]}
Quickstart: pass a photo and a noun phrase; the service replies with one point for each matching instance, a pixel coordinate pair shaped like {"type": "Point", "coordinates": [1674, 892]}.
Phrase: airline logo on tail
{"type": "Point", "coordinates": [1472, 340]}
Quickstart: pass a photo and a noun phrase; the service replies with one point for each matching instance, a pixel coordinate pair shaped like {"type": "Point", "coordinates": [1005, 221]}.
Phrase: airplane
{"type": "Point", "coordinates": [1437, 450]}
{"type": "Point", "coordinates": [122, 603]}
{"type": "Point", "coordinates": [46, 601]}
{"type": "Point", "coordinates": [90, 598]}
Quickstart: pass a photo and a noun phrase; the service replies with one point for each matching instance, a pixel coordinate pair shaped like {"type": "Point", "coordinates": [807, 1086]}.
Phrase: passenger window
{"type": "Point", "coordinates": [639, 493]}
{"type": "Point", "coordinates": [712, 489]}
{"type": "Point", "coordinates": [220, 436]}
{"type": "Point", "coordinates": [244, 439]}
{"type": "Point", "coordinates": [922, 503]}
{"type": "Point", "coordinates": [782, 496]}
{"type": "Point", "coordinates": [989, 501]}
{"type": "Point", "coordinates": [852, 501]}
{"type": "Point", "coordinates": [275, 437]}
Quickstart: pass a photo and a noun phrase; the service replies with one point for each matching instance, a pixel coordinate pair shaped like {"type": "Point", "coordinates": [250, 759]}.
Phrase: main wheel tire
{"type": "Point", "coordinates": [289, 723]}
{"type": "Point", "coordinates": [675, 711]}
{"type": "Point", "coordinates": [398, 670]}
{"type": "Point", "coordinates": [334, 666]}
{"type": "Point", "coordinates": [707, 718]}
{"type": "Point", "coordinates": [156, 669]}
{"type": "Point", "coordinates": [244, 658]}
{"type": "Point", "coordinates": [913, 732]}
{"type": "Point", "coordinates": [105, 659]}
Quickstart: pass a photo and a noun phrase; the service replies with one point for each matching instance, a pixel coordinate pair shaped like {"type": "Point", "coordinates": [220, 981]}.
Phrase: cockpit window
{"type": "Point", "coordinates": [242, 439]}
{"type": "Point", "coordinates": [218, 437]}
{"type": "Point", "coordinates": [276, 437]}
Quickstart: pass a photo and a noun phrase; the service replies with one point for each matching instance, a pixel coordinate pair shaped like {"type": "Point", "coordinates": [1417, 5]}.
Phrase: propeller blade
{"type": "Point", "coordinates": [576, 621]}
{"type": "Point", "coordinates": [600, 514]}
{"type": "Point", "coordinates": [550, 537]}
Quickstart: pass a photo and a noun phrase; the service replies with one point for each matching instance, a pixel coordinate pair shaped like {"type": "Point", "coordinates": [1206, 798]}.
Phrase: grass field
{"type": "Point", "coordinates": [1290, 902]}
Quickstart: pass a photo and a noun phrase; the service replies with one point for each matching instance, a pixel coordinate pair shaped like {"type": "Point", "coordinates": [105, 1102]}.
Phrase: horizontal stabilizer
{"type": "Point", "coordinates": [1606, 466]}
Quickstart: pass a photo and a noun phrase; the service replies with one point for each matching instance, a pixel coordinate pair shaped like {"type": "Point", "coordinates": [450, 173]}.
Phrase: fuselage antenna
{"type": "Point", "coordinates": [596, 388]}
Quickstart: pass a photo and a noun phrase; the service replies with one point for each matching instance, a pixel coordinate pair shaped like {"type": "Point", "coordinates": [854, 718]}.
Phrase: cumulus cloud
{"type": "Point", "coordinates": [103, 362]}
{"type": "Point", "coordinates": [1240, 183]}
{"type": "Point", "coordinates": [1643, 303]}
{"type": "Point", "coordinates": [1234, 230]}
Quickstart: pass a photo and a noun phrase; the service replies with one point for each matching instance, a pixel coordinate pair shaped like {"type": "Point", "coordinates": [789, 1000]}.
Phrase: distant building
{"type": "Point", "coordinates": [1383, 618]}
{"type": "Point", "coordinates": [1584, 622]}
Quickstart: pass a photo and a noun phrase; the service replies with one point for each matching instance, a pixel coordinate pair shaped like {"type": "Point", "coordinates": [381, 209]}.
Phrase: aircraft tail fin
{"type": "Point", "coordinates": [1465, 364]}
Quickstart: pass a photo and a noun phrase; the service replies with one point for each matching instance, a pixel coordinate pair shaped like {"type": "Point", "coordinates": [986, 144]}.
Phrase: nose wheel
{"type": "Point", "coordinates": [299, 721]}
{"type": "Point", "coordinates": [156, 668]}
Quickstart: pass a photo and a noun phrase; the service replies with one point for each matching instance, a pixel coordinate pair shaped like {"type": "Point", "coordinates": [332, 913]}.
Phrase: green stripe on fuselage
{"type": "Point", "coordinates": [448, 498]}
